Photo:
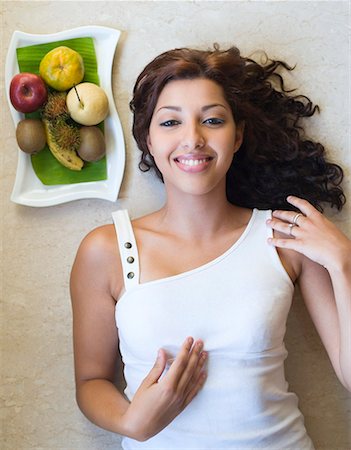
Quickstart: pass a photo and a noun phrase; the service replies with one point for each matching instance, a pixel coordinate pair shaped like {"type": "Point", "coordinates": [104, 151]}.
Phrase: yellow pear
{"type": "Point", "coordinates": [87, 104]}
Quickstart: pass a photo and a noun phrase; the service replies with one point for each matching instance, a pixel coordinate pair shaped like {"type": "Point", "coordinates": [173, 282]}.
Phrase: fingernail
{"type": "Point", "coordinates": [199, 345]}
{"type": "Point", "coordinates": [190, 341]}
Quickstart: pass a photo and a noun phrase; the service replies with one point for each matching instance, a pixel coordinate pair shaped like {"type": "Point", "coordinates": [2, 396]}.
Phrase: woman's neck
{"type": "Point", "coordinates": [200, 216]}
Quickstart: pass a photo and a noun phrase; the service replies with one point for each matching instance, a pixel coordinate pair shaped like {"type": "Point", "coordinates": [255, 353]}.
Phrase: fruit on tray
{"type": "Point", "coordinates": [27, 92]}
{"type": "Point", "coordinates": [31, 136]}
{"type": "Point", "coordinates": [87, 104]}
{"type": "Point", "coordinates": [62, 135]}
{"type": "Point", "coordinates": [92, 144]}
{"type": "Point", "coordinates": [55, 106]}
{"type": "Point", "coordinates": [66, 156]}
{"type": "Point", "coordinates": [62, 68]}
{"type": "Point", "coordinates": [68, 121]}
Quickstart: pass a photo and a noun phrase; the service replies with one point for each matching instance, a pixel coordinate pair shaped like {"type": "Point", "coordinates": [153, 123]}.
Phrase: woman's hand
{"type": "Point", "coordinates": [327, 296]}
{"type": "Point", "coordinates": [312, 234]}
{"type": "Point", "coordinates": [159, 400]}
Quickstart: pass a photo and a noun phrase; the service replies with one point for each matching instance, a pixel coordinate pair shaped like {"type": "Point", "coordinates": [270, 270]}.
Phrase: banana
{"type": "Point", "coordinates": [65, 156]}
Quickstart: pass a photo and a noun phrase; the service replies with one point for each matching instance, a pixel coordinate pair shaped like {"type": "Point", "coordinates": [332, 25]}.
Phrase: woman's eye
{"type": "Point", "coordinates": [169, 123]}
{"type": "Point", "coordinates": [214, 121]}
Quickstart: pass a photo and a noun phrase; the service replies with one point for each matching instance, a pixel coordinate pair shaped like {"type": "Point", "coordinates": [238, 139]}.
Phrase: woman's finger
{"type": "Point", "coordinates": [289, 243]}
{"type": "Point", "coordinates": [291, 229]}
{"type": "Point", "coordinates": [200, 368]}
{"type": "Point", "coordinates": [195, 388]}
{"type": "Point", "coordinates": [180, 362]}
{"type": "Point", "coordinates": [157, 369]}
{"type": "Point", "coordinates": [306, 211]}
{"type": "Point", "coordinates": [195, 361]}
{"type": "Point", "coordinates": [303, 205]}
{"type": "Point", "coordinates": [293, 217]}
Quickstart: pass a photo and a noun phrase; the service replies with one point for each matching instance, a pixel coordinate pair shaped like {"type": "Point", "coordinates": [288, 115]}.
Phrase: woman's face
{"type": "Point", "coordinates": [193, 136]}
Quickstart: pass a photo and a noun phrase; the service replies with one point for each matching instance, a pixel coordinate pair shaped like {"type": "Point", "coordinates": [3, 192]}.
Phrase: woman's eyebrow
{"type": "Point", "coordinates": [172, 108]}
{"type": "Point", "coordinates": [214, 105]}
{"type": "Point", "coordinates": [204, 108]}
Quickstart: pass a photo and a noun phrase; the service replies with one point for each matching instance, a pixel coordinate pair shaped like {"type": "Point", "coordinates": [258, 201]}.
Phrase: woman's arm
{"type": "Point", "coordinates": [325, 278]}
{"type": "Point", "coordinates": [94, 333]}
{"type": "Point", "coordinates": [94, 287]}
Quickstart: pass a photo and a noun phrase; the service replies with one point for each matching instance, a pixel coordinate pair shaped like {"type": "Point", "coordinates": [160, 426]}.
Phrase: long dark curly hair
{"type": "Point", "coordinates": [275, 159]}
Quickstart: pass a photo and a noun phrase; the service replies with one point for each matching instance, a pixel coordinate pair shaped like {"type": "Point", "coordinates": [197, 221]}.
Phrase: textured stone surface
{"type": "Point", "coordinates": [37, 390]}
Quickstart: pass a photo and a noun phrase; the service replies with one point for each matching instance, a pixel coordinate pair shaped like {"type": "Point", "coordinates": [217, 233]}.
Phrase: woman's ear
{"type": "Point", "coordinates": [239, 135]}
{"type": "Point", "coordinates": [148, 142]}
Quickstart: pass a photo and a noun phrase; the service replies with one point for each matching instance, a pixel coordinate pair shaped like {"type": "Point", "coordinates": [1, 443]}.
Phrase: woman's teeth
{"type": "Point", "coordinates": [192, 162]}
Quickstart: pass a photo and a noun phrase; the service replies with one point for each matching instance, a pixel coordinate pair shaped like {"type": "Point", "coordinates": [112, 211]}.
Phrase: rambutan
{"type": "Point", "coordinates": [55, 106]}
{"type": "Point", "coordinates": [66, 135]}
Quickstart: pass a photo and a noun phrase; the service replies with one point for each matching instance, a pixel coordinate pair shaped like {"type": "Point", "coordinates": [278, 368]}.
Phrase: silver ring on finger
{"type": "Point", "coordinates": [294, 222]}
{"type": "Point", "coordinates": [291, 226]}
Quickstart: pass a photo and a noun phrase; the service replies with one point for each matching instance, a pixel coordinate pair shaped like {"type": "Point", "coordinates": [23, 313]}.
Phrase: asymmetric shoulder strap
{"type": "Point", "coordinates": [127, 248]}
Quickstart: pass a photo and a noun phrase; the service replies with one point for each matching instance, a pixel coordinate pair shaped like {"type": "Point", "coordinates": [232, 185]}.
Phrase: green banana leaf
{"type": "Point", "coordinates": [46, 167]}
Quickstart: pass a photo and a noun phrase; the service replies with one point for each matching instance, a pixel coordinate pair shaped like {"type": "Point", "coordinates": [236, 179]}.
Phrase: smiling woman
{"type": "Point", "coordinates": [206, 282]}
{"type": "Point", "coordinates": [268, 166]}
{"type": "Point", "coordinates": [199, 137]}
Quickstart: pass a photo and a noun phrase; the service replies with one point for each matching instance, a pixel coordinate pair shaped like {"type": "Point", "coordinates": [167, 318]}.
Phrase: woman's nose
{"type": "Point", "coordinates": [193, 137]}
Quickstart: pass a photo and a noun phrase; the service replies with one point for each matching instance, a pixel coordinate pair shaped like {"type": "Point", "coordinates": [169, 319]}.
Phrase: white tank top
{"type": "Point", "coordinates": [238, 305]}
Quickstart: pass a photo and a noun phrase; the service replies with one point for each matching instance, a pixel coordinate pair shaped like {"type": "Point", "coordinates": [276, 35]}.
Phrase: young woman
{"type": "Point", "coordinates": [206, 282]}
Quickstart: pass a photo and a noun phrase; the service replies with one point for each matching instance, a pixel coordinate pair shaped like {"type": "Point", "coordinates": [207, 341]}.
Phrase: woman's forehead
{"type": "Point", "coordinates": [194, 90]}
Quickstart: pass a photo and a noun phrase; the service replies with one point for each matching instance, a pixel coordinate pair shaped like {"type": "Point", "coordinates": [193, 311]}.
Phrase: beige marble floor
{"type": "Point", "coordinates": [37, 391]}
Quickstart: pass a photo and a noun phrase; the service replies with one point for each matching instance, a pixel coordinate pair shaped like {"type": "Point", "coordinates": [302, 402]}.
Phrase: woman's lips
{"type": "Point", "coordinates": [193, 164]}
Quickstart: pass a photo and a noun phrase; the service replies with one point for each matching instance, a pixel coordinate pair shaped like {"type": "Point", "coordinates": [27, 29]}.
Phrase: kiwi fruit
{"type": "Point", "coordinates": [31, 136]}
{"type": "Point", "coordinates": [92, 144]}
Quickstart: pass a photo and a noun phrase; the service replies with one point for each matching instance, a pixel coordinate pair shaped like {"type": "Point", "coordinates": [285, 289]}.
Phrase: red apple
{"type": "Point", "coordinates": [27, 92]}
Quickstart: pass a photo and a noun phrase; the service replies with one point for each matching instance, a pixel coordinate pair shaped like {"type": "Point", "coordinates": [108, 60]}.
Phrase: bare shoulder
{"type": "Point", "coordinates": [97, 260]}
{"type": "Point", "coordinates": [98, 241]}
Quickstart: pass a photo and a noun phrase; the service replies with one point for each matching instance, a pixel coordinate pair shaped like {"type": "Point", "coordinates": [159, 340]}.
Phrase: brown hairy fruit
{"type": "Point", "coordinates": [66, 135]}
{"type": "Point", "coordinates": [62, 136]}
{"type": "Point", "coordinates": [55, 106]}
{"type": "Point", "coordinates": [64, 156]}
